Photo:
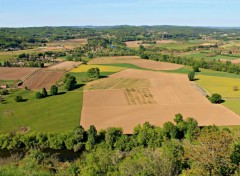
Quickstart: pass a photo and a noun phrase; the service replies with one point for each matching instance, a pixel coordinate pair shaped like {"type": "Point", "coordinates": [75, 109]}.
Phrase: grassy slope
{"type": "Point", "coordinates": [51, 114]}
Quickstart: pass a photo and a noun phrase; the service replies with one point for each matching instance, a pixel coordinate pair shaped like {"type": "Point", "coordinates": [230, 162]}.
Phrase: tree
{"type": "Point", "coordinates": [93, 73]}
{"type": "Point", "coordinates": [169, 130]}
{"type": "Point", "coordinates": [216, 98]}
{"type": "Point", "coordinates": [111, 136]}
{"type": "Point", "coordinates": [18, 98]}
{"type": "Point", "coordinates": [92, 137]}
{"type": "Point", "coordinates": [211, 152]}
{"type": "Point", "coordinates": [196, 68]}
{"type": "Point", "coordinates": [70, 83]}
{"type": "Point", "coordinates": [44, 92]}
{"type": "Point", "coordinates": [191, 75]}
{"type": "Point", "coordinates": [54, 90]}
{"type": "Point", "coordinates": [178, 118]}
{"type": "Point", "coordinates": [39, 95]}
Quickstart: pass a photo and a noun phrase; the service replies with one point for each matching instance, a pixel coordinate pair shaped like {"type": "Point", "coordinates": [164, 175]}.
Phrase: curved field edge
{"type": "Point", "coordinates": [52, 114]}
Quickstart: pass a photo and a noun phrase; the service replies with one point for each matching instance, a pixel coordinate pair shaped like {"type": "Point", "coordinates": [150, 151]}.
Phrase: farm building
{"type": "Point", "coordinates": [4, 86]}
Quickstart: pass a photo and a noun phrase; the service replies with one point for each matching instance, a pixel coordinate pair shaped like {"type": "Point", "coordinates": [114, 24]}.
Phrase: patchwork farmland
{"type": "Point", "coordinates": [157, 100]}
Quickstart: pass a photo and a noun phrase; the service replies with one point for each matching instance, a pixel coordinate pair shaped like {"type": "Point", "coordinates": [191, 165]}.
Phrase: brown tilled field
{"type": "Point", "coordinates": [156, 101]}
{"type": "Point", "coordinates": [236, 61]}
{"type": "Point", "coordinates": [64, 66]}
{"type": "Point", "coordinates": [43, 78]}
{"type": "Point", "coordinates": [135, 60]}
{"type": "Point", "coordinates": [15, 73]}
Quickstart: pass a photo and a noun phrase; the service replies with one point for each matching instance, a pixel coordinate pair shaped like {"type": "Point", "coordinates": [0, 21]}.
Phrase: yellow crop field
{"type": "Point", "coordinates": [221, 85]}
{"type": "Point", "coordinates": [103, 68]}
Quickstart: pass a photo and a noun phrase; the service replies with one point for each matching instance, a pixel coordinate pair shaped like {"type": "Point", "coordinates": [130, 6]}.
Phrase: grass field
{"type": "Point", "coordinates": [52, 114]}
{"type": "Point", "coordinates": [103, 68]}
{"type": "Point", "coordinates": [206, 72]}
{"type": "Point", "coordinates": [233, 105]}
{"type": "Point", "coordinates": [223, 86]}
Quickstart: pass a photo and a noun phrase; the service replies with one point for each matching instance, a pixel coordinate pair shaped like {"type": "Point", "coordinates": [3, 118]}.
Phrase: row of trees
{"type": "Point", "coordinates": [182, 148]}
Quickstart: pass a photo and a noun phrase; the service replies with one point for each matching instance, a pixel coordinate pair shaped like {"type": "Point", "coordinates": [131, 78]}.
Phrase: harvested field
{"type": "Point", "coordinates": [166, 95]}
{"type": "Point", "coordinates": [117, 83]}
{"type": "Point", "coordinates": [64, 66]}
{"type": "Point", "coordinates": [15, 73]}
{"type": "Point", "coordinates": [148, 64]}
{"type": "Point", "coordinates": [43, 78]}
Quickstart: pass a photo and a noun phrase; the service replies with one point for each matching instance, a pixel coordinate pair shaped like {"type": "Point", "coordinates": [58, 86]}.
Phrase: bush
{"type": "Point", "coordinates": [191, 75]}
{"type": "Point", "coordinates": [196, 68]}
{"type": "Point", "coordinates": [54, 90]}
{"type": "Point", "coordinates": [4, 92]}
{"type": "Point", "coordinates": [216, 98]}
{"type": "Point", "coordinates": [39, 95]}
{"type": "Point", "coordinates": [44, 93]}
{"type": "Point", "coordinates": [18, 98]}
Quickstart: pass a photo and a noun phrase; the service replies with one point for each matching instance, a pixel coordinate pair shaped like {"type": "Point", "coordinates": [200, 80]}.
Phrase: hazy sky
{"type": "Point", "coordinates": [15, 13]}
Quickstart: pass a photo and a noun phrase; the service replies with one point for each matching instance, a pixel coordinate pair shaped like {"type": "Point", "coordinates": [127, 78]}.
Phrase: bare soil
{"type": "Point", "coordinates": [135, 60]}
{"type": "Point", "coordinates": [64, 66]}
{"type": "Point", "coordinates": [15, 73]}
{"type": "Point", "coordinates": [166, 95]}
{"type": "Point", "coordinates": [43, 78]}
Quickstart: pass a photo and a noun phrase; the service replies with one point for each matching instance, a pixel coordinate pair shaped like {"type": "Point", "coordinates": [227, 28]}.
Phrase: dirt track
{"type": "Point", "coordinates": [15, 73]}
{"type": "Point", "coordinates": [166, 95]}
{"type": "Point", "coordinates": [149, 64]}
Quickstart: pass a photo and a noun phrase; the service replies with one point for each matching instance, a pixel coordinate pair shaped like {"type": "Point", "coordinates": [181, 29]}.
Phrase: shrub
{"type": "Point", "coordinates": [54, 90]}
{"type": "Point", "coordinates": [216, 98]}
{"type": "Point", "coordinates": [4, 92]}
{"type": "Point", "coordinates": [39, 95]}
{"type": "Point", "coordinates": [18, 98]}
{"type": "Point", "coordinates": [44, 93]}
{"type": "Point", "coordinates": [191, 75]}
{"type": "Point", "coordinates": [196, 68]}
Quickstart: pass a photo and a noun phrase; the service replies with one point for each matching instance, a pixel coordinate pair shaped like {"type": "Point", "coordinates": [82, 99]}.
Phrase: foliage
{"type": "Point", "coordinates": [191, 75]}
{"type": "Point", "coordinates": [39, 95]}
{"type": "Point", "coordinates": [70, 83]}
{"type": "Point", "coordinates": [18, 98]}
{"type": "Point", "coordinates": [93, 73]}
{"type": "Point", "coordinates": [54, 90]}
{"type": "Point", "coordinates": [44, 92]}
{"type": "Point", "coordinates": [216, 98]}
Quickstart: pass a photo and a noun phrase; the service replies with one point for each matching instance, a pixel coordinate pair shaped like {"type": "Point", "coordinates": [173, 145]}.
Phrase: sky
{"type": "Point", "coordinates": [25, 13]}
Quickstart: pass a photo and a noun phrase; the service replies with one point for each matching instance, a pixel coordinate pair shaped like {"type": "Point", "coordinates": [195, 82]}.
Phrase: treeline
{"type": "Point", "coordinates": [23, 38]}
{"type": "Point", "coordinates": [180, 148]}
{"type": "Point", "coordinates": [215, 65]}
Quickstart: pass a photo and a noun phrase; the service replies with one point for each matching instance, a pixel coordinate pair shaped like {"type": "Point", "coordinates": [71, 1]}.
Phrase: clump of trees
{"type": "Point", "coordinates": [93, 73]}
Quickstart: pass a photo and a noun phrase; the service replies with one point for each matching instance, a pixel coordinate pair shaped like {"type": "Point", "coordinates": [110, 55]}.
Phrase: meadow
{"type": "Point", "coordinates": [223, 86]}
{"type": "Point", "coordinates": [51, 114]}
{"type": "Point", "coordinates": [103, 68]}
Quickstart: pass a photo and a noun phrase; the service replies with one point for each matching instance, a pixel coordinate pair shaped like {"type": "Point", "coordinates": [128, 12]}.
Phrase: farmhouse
{"type": "Point", "coordinates": [4, 86]}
